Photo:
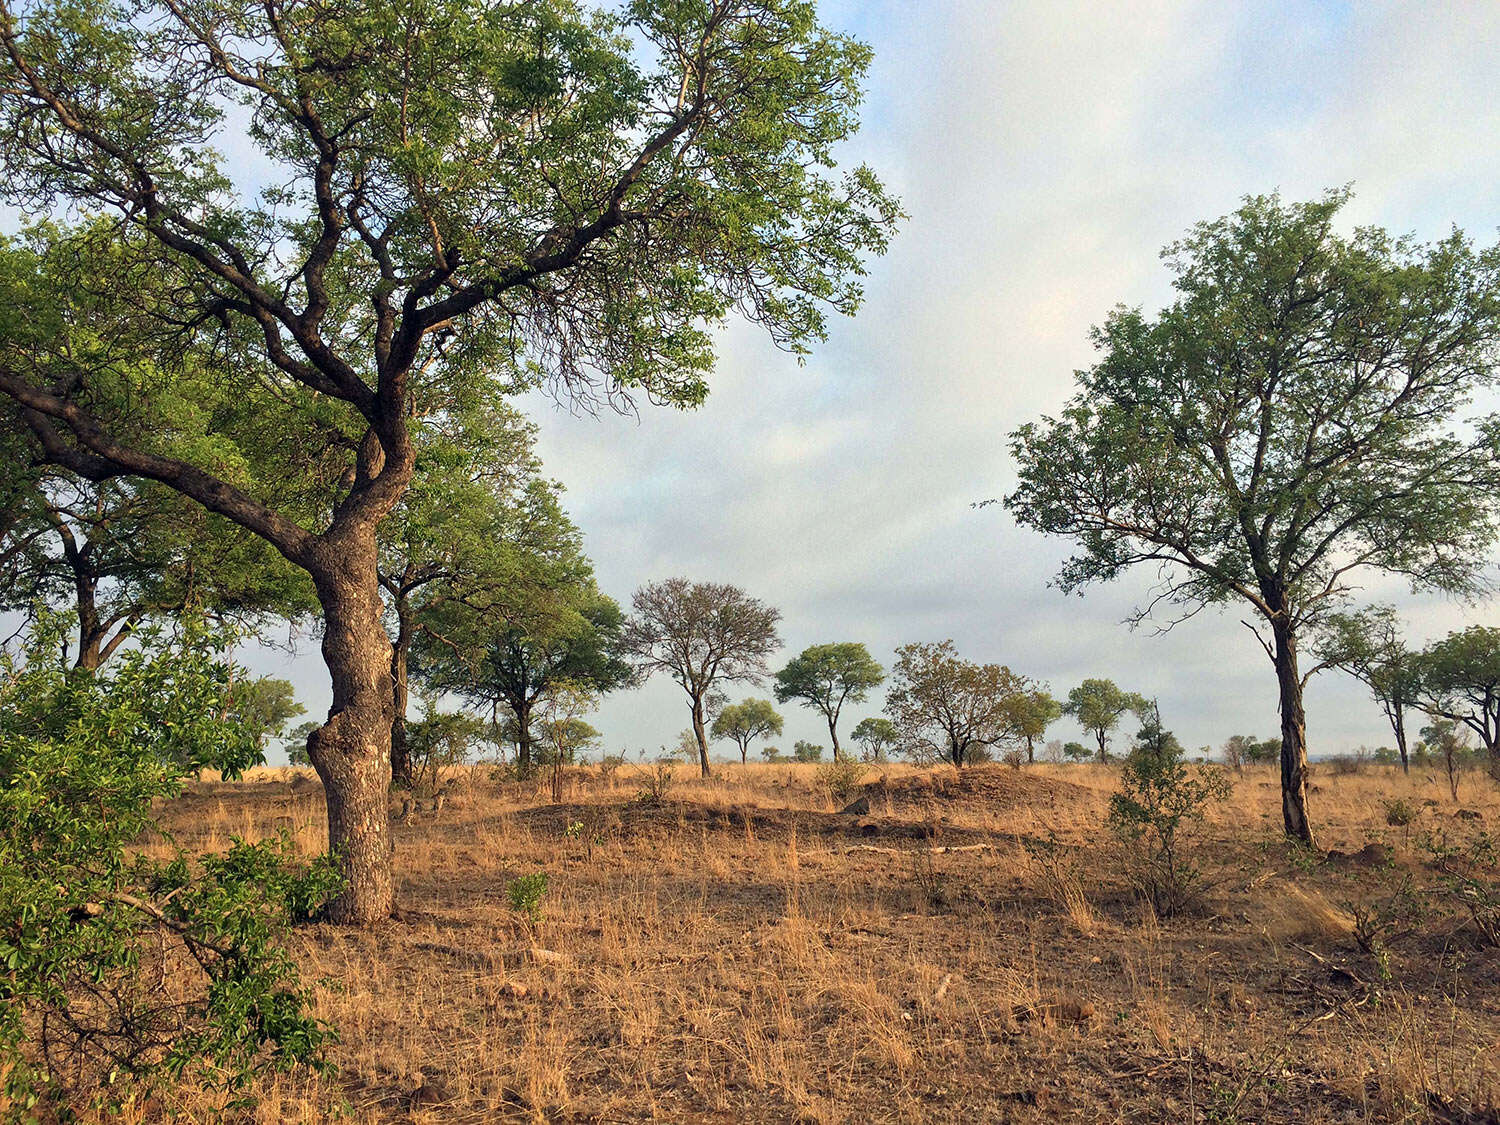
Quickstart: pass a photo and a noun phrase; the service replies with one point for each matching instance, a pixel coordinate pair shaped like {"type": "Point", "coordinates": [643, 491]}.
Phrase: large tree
{"type": "Point", "coordinates": [1371, 647]}
{"type": "Point", "coordinates": [462, 192]}
{"type": "Point", "coordinates": [1099, 705]}
{"type": "Point", "coordinates": [825, 677]}
{"type": "Point", "coordinates": [1460, 680]}
{"type": "Point", "coordinates": [948, 708]}
{"type": "Point", "coordinates": [746, 721]}
{"type": "Point", "coordinates": [704, 635]}
{"type": "Point", "coordinates": [1300, 413]}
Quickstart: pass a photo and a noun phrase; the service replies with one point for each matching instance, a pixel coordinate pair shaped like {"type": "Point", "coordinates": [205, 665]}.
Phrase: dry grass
{"type": "Point", "coordinates": [744, 953]}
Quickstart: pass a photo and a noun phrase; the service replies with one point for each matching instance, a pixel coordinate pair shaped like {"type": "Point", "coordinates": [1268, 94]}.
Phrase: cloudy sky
{"type": "Point", "coordinates": [1046, 151]}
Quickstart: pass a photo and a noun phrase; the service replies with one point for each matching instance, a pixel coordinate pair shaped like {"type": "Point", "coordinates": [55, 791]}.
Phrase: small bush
{"type": "Point", "coordinates": [656, 779]}
{"type": "Point", "coordinates": [525, 894]}
{"type": "Point", "coordinates": [841, 779]}
{"type": "Point", "coordinates": [1162, 798]}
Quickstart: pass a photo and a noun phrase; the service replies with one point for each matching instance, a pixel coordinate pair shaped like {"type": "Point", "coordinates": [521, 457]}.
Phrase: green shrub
{"type": "Point", "coordinates": [1161, 799]}
{"type": "Point", "coordinates": [841, 779]}
{"type": "Point", "coordinates": [525, 894]}
{"type": "Point", "coordinates": [88, 931]}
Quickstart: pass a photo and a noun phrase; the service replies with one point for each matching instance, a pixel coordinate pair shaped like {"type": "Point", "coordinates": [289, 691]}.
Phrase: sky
{"type": "Point", "coordinates": [1045, 151]}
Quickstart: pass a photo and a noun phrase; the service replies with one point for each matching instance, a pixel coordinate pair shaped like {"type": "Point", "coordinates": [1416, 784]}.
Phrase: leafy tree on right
{"type": "Point", "coordinates": [1302, 411]}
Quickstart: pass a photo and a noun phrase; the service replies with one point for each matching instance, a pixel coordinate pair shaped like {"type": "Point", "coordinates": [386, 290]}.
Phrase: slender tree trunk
{"type": "Point", "coordinates": [701, 734]}
{"type": "Point", "coordinates": [352, 750]}
{"type": "Point", "coordinates": [1398, 724]}
{"type": "Point", "coordinates": [745, 753]}
{"type": "Point", "coordinates": [1103, 736]}
{"type": "Point", "coordinates": [833, 734]}
{"type": "Point", "coordinates": [90, 632]}
{"type": "Point", "coordinates": [1293, 734]}
{"type": "Point", "coordinates": [400, 653]}
{"type": "Point", "coordinates": [1030, 751]}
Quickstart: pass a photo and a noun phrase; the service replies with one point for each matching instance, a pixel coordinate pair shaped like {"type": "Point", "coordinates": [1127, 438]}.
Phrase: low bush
{"type": "Point", "coordinates": [1162, 799]}
{"type": "Point", "coordinates": [90, 929]}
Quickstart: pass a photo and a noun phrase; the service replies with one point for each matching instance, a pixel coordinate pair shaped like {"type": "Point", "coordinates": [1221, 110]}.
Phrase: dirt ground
{"type": "Point", "coordinates": [971, 950]}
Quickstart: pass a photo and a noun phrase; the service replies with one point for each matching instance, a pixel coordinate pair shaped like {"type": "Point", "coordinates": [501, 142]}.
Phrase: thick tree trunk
{"type": "Point", "coordinates": [523, 738]}
{"type": "Point", "coordinates": [701, 734]}
{"type": "Point", "coordinates": [1030, 750]}
{"type": "Point", "coordinates": [1103, 736]}
{"type": "Point", "coordinates": [1293, 735]}
{"type": "Point", "coordinates": [400, 652]}
{"type": "Point", "coordinates": [833, 736]}
{"type": "Point", "coordinates": [352, 750]}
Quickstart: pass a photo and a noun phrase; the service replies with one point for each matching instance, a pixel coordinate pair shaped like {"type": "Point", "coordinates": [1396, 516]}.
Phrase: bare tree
{"type": "Point", "coordinates": [702, 634]}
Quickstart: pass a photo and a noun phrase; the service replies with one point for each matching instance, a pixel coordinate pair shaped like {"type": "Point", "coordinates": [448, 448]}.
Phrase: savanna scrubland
{"type": "Point", "coordinates": [972, 948]}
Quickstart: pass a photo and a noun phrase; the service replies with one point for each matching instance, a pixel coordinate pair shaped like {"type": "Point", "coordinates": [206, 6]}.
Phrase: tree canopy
{"type": "Point", "coordinates": [950, 709]}
{"type": "Point", "coordinates": [825, 677]}
{"type": "Point", "coordinates": [704, 635]}
{"type": "Point", "coordinates": [1302, 411]}
{"type": "Point", "coordinates": [1460, 680]}
{"type": "Point", "coordinates": [1371, 647]}
{"type": "Point", "coordinates": [745, 721]}
{"type": "Point", "coordinates": [1099, 705]}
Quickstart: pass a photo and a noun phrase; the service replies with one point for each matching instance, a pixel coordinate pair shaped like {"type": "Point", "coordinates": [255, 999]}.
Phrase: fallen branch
{"type": "Point", "coordinates": [935, 851]}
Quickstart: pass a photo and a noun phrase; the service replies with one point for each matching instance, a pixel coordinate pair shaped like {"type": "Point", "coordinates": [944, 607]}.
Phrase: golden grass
{"type": "Point", "coordinates": [743, 953]}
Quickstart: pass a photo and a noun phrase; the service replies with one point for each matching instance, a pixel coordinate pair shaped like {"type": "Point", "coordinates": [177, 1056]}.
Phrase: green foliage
{"type": "Point", "coordinates": [525, 894]}
{"type": "Point", "coordinates": [1161, 800]}
{"type": "Point", "coordinates": [951, 709]}
{"type": "Point", "coordinates": [746, 721]}
{"type": "Point", "coordinates": [1076, 752]}
{"type": "Point", "coordinates": [804, 751]}
{"type": "Point", "coordinates": [841, 778]}
{"type": "Point", "coordinates": [1370, 646]}
{"type": "Point", "coordinates": [1032, 713]}
{"type": "Point", "coordinates": [825, 677]}
{"type": "Point", "coordinates": [264, 706]}
{"type": "Point", "coordinates": [439, 741]}
{"type": "Point", "coordinates": [877, 737]}
{"type": "Point", "coordinates": [87, 923]}
{"type": "Point", "coordinates": [1460, 680]}
{"type": "Point", "coordinates": [1099, 705]}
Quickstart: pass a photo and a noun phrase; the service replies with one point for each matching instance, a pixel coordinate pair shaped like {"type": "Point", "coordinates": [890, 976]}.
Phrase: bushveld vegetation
{"type": "Point", "coordinates": [223, 407]}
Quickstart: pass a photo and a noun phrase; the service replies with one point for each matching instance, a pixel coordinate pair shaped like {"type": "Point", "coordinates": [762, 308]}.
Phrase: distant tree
{"type": "Point", "coordinates": [877, 737]}
{"type": "Point", "coordinates": [1077, 752]}
{"type": "Point", "coordinates": [1035, 711]}
{"type": "Point", "coordinates": [771, 753]}
{"type": "Point", "coordinates": [952, 709]}
{"type": "Point", "coordinates": [463, 194]}
{"type": "Point", "coordinates": [1371, 647]}
{"type": "Point", "coordinates": [439, 741]}
{"type": "Point", "coordinates": [563, 730]}
{"type": "Point", "coordinates": [703, 635]}
{"type": "Point", "coordinates": [1450, 743]}
{"type": "Point", "coordinates": [512, 646]}
{"type": "Point", "coordinates": [746, 721]}
{"type": "Point", "coordinates": [825, 677]}
{"type": "Point", "coordinates": [264, 706]}
{"type": "Point", "coordinates": [804, 751]}
{"type": "Point", "coordinates": [1236, 751]}
{"type": "Point", "coordinates": [1460, 680]}
{"type": "Point", "coordinates": [1300, 413]}
{"type": "Point", "coordinates": [475, 537]}
{"type": "Point", "coordinates": [1099, 705]}
{"type": "Point", "coordinates": [1264, 751]}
